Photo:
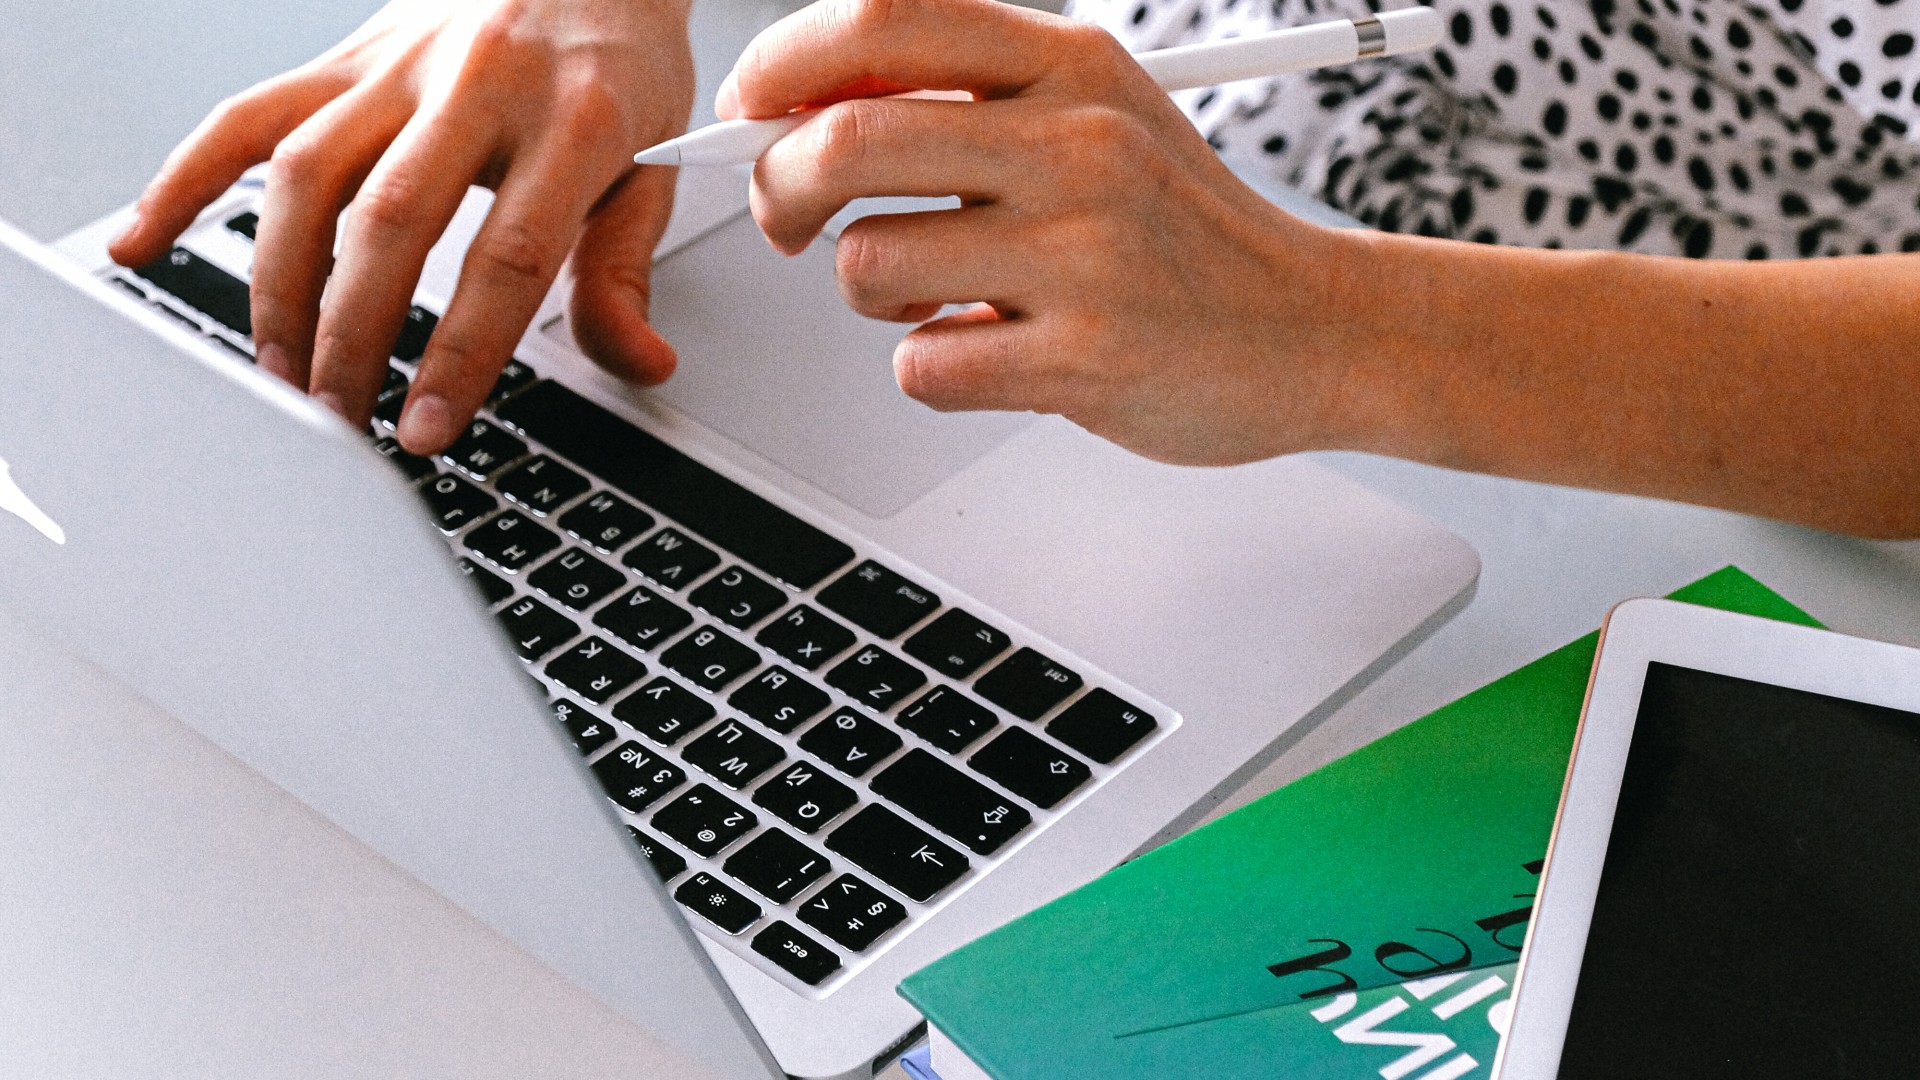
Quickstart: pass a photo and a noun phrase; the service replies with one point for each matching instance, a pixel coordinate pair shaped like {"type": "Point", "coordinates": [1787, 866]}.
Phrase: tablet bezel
{"type": "Point", "coordinates": [1637, 633]}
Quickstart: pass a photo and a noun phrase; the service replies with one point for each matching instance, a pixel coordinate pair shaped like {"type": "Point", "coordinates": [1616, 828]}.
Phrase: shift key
{"type": "Point", "coordinates": [949, 800]}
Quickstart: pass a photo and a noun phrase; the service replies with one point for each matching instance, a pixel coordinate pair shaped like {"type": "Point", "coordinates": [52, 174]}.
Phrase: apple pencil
{"type": "Point", "coordinates": [1183, 67]}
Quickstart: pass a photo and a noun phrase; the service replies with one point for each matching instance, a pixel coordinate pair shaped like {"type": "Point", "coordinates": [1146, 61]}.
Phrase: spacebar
{"type": "Point", "coordinates": [674, 484]}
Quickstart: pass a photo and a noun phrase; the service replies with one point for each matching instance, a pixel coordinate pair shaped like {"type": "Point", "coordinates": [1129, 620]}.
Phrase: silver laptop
{"type": "Point", "coordinates": [823, 684]}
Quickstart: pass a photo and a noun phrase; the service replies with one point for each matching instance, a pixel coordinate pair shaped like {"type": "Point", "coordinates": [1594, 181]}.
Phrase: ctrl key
{"type": "Point", "coordinates": [717, 902]}
{"type": "Point", "coordinates": [801, 956]}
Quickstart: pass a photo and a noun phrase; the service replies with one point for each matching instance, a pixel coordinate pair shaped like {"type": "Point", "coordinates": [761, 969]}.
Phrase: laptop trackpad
{"type": "Point", "coordinates": [772, 358]}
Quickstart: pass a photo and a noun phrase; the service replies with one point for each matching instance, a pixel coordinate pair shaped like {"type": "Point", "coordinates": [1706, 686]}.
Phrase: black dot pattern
{"type": "Point", "coordinates": [1740, 129]}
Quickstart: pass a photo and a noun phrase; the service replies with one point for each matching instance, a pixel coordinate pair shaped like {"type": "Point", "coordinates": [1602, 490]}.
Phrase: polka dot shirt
{"type": "Point", "coordinates": [1710, 128]}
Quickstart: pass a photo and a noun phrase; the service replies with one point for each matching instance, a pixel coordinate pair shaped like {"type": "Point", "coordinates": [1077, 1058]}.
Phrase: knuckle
{"type": "Point", "coordinates": [589, 111]}
{"type": "Point", "coordinates": [864, 263]}
{"type": "Point", "coordinates": [299, 161]}
{"type": "Point", "coordinates": [867, 17]}
{"type": "Point", "coordinates": [917, 373]}
{"type": "Point", "coordinates": [515, 251]}
{"type": "Point", "coordinates": [498, 37]}
{"type": "Point", "coordinates": [842, 136]}
{"type": "Point", "coordinates": [386, 207]}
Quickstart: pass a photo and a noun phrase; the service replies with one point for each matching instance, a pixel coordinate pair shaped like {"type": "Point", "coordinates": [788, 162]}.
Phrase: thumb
{"type": "Point", "coordinates": [612, 262]}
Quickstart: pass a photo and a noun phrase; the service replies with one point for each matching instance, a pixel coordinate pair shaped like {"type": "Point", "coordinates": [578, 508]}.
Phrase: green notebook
{"type": "Point", "coordinates": [1362, 920]}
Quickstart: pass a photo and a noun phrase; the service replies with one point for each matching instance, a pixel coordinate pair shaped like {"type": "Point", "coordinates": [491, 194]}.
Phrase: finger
{"type": "Point", "coordinates": [977, 359]}
{"type": "Point", "coordinates": [807, 56]}
{"type": "Point", "coordinates": [881, 146]}
{"type": "Point", "coordinates": [904, 267]}
{"type": "Point", "coordinates": [400, 211]}
{"type": "Point", "coordinates": [238, 134]}
{"type": "Point", "coordinates": [612, 268]}
{"type": "Point", "coordinates": [314, 172]}
{"type": "Point", "coordinates": [514, 258]}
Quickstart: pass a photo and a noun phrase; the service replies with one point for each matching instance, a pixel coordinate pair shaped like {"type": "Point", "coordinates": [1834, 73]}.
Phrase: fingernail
{"type": "Point", "coordinates": [133, 226]}
{"type": "Point", "coordinates": [274, 360]}
{"type": "Point", "coordinates": [726, 101]}
{"type": "Point", "coordinates": [427, 424]}
{"type": "Point", "coordinates": [333, 403]}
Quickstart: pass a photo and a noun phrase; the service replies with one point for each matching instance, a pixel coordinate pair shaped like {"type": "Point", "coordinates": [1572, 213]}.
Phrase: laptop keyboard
{"type": "Point", "coordinates": [810, 746]}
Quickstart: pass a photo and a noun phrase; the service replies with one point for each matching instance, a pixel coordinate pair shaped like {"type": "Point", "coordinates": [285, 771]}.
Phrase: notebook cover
{"type": "Point", "coordinates": [1365, 918]}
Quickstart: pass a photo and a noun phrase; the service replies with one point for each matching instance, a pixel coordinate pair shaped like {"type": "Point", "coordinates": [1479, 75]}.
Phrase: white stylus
{"type": "Point", "coordinates": [1183, 67]}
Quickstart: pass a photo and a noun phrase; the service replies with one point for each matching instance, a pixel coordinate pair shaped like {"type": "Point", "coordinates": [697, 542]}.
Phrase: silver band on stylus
{"type": "Point", "coordinates": [1373, 36]}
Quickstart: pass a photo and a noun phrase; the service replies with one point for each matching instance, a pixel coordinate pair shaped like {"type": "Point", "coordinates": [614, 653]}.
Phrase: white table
{"type": "Point", "coordinates": [93, 93]}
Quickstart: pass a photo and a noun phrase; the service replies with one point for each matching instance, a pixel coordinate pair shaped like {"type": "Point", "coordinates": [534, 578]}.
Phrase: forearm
{"type": "Point", "coordinates": [1790, 389]}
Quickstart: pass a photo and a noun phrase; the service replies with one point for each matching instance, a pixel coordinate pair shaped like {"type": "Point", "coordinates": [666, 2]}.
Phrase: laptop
{"type": "Point", "coordinates": [801, 685]}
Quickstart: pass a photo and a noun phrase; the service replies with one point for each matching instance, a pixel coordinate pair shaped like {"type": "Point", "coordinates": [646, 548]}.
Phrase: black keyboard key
{"type": "Point", "coordinates": [454, 504]}
{"type": "Point", "coordinates": [576, 579]}
{"type": "Point", "coordinates": [204, 287]}
{"type": "Point", "coordinates": [850, 742]}
{"type": "Point", "coordinates": [395, 382]}
{"type": "Point", "coordinates": [704, 821]}
{"type": "Point", "coordinates": [804, 797]}
{"type": "Point", "coordinates": [777, 866]}
{"type": "Point", "coordinates": [1027, 684]}
{"type": "Point", "coordinates": [717, 902]}
{"type": "Point", "coordinates": [733, 754]}
{"type": "Point", "coordinates": [666, 861]}
{"type": "Point", "coordinates": [412, 343]}
{"type": "Point", "coordinates": [898, 852]}
{"type": "Point", "coordinates": [852, 912]}
{"type": "Point", "coordinates": [483, 450]}
{"type": "Point", "coordinates": [876, 678]}
{"type": "Point", "coordinates": [710, 659]}
{"type": "Point", "coordinates": [956, 644]}
{"type": "Point", "coordinates": [235, 351]}
{"type": "Point", "coordinates": [511, 541]}
{"type": "Point", "coordinates": [779, 699]}
{"type": "Point", "coordinates": [588, 732]}
{"type": "Point", "coordinates": [1101, 726]}
{"type": "Point", "coordinates": [1030, 767]}
{"type": "Point", "coordinates": [806, 637]}
{"type": "Point", "coordinates": [178, 316]}
{"type": "Point", "coordinates": [535, 628]}
{"type": "Point", "coordinates": [951, 801]}
{"type": "Point", "coordinates": [876, 598]}
{"type": "Point", "coordinates": [948, 719]}
{"type": "Point", "coordinates": [515, 376]}
{"type": "Point", "coordinates": [129, 288]}
{"type": "Point", "coordinates": [595, 670]}
{"type": "Point", "coordinates": [606, 521]}
{"type": "Point", "coordinates": [634, 776]}
{"type": "Point", "coordinates": [541, 484]}
{"type": "Point", "coordinates": [663, 711]}
{"type": "Point", "coordinates": [671, 558]}
{"type": "Point", "coordinates": [388, 408]}
{"type": "Point", "coordinates": [738, 598]}
{"type": "Point", "coordinates": [799, 955]}
{"type": "Point", "coordinates": [765, 536]}
{"type": "Point", "coordinates": [247, 224]}
{"type": "Point", "coordinates": [491, 585]}
{"type": "Point", "coordinates": [643, 618]}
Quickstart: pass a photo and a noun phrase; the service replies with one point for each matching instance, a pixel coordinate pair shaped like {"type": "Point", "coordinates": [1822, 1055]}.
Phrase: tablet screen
{"type": "Point", "coordinates": [1759, 910]}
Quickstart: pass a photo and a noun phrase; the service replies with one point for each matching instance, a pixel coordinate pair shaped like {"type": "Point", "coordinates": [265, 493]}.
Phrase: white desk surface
{"type": "Point", "coordinates": [93, 93]}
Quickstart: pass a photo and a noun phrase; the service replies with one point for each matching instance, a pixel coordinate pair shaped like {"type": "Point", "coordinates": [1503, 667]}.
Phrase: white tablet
{"type": "Point", "coordinates": [1733, 884]}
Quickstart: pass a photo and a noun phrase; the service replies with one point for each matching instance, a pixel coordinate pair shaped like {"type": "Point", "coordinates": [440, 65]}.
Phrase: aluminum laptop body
{"type": "Point", "coordinates": [217, 527]}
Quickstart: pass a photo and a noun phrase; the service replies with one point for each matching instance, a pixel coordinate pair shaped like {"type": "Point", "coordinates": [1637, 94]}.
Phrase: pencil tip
{"type": "Point", "coordinates": [664, 154]}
